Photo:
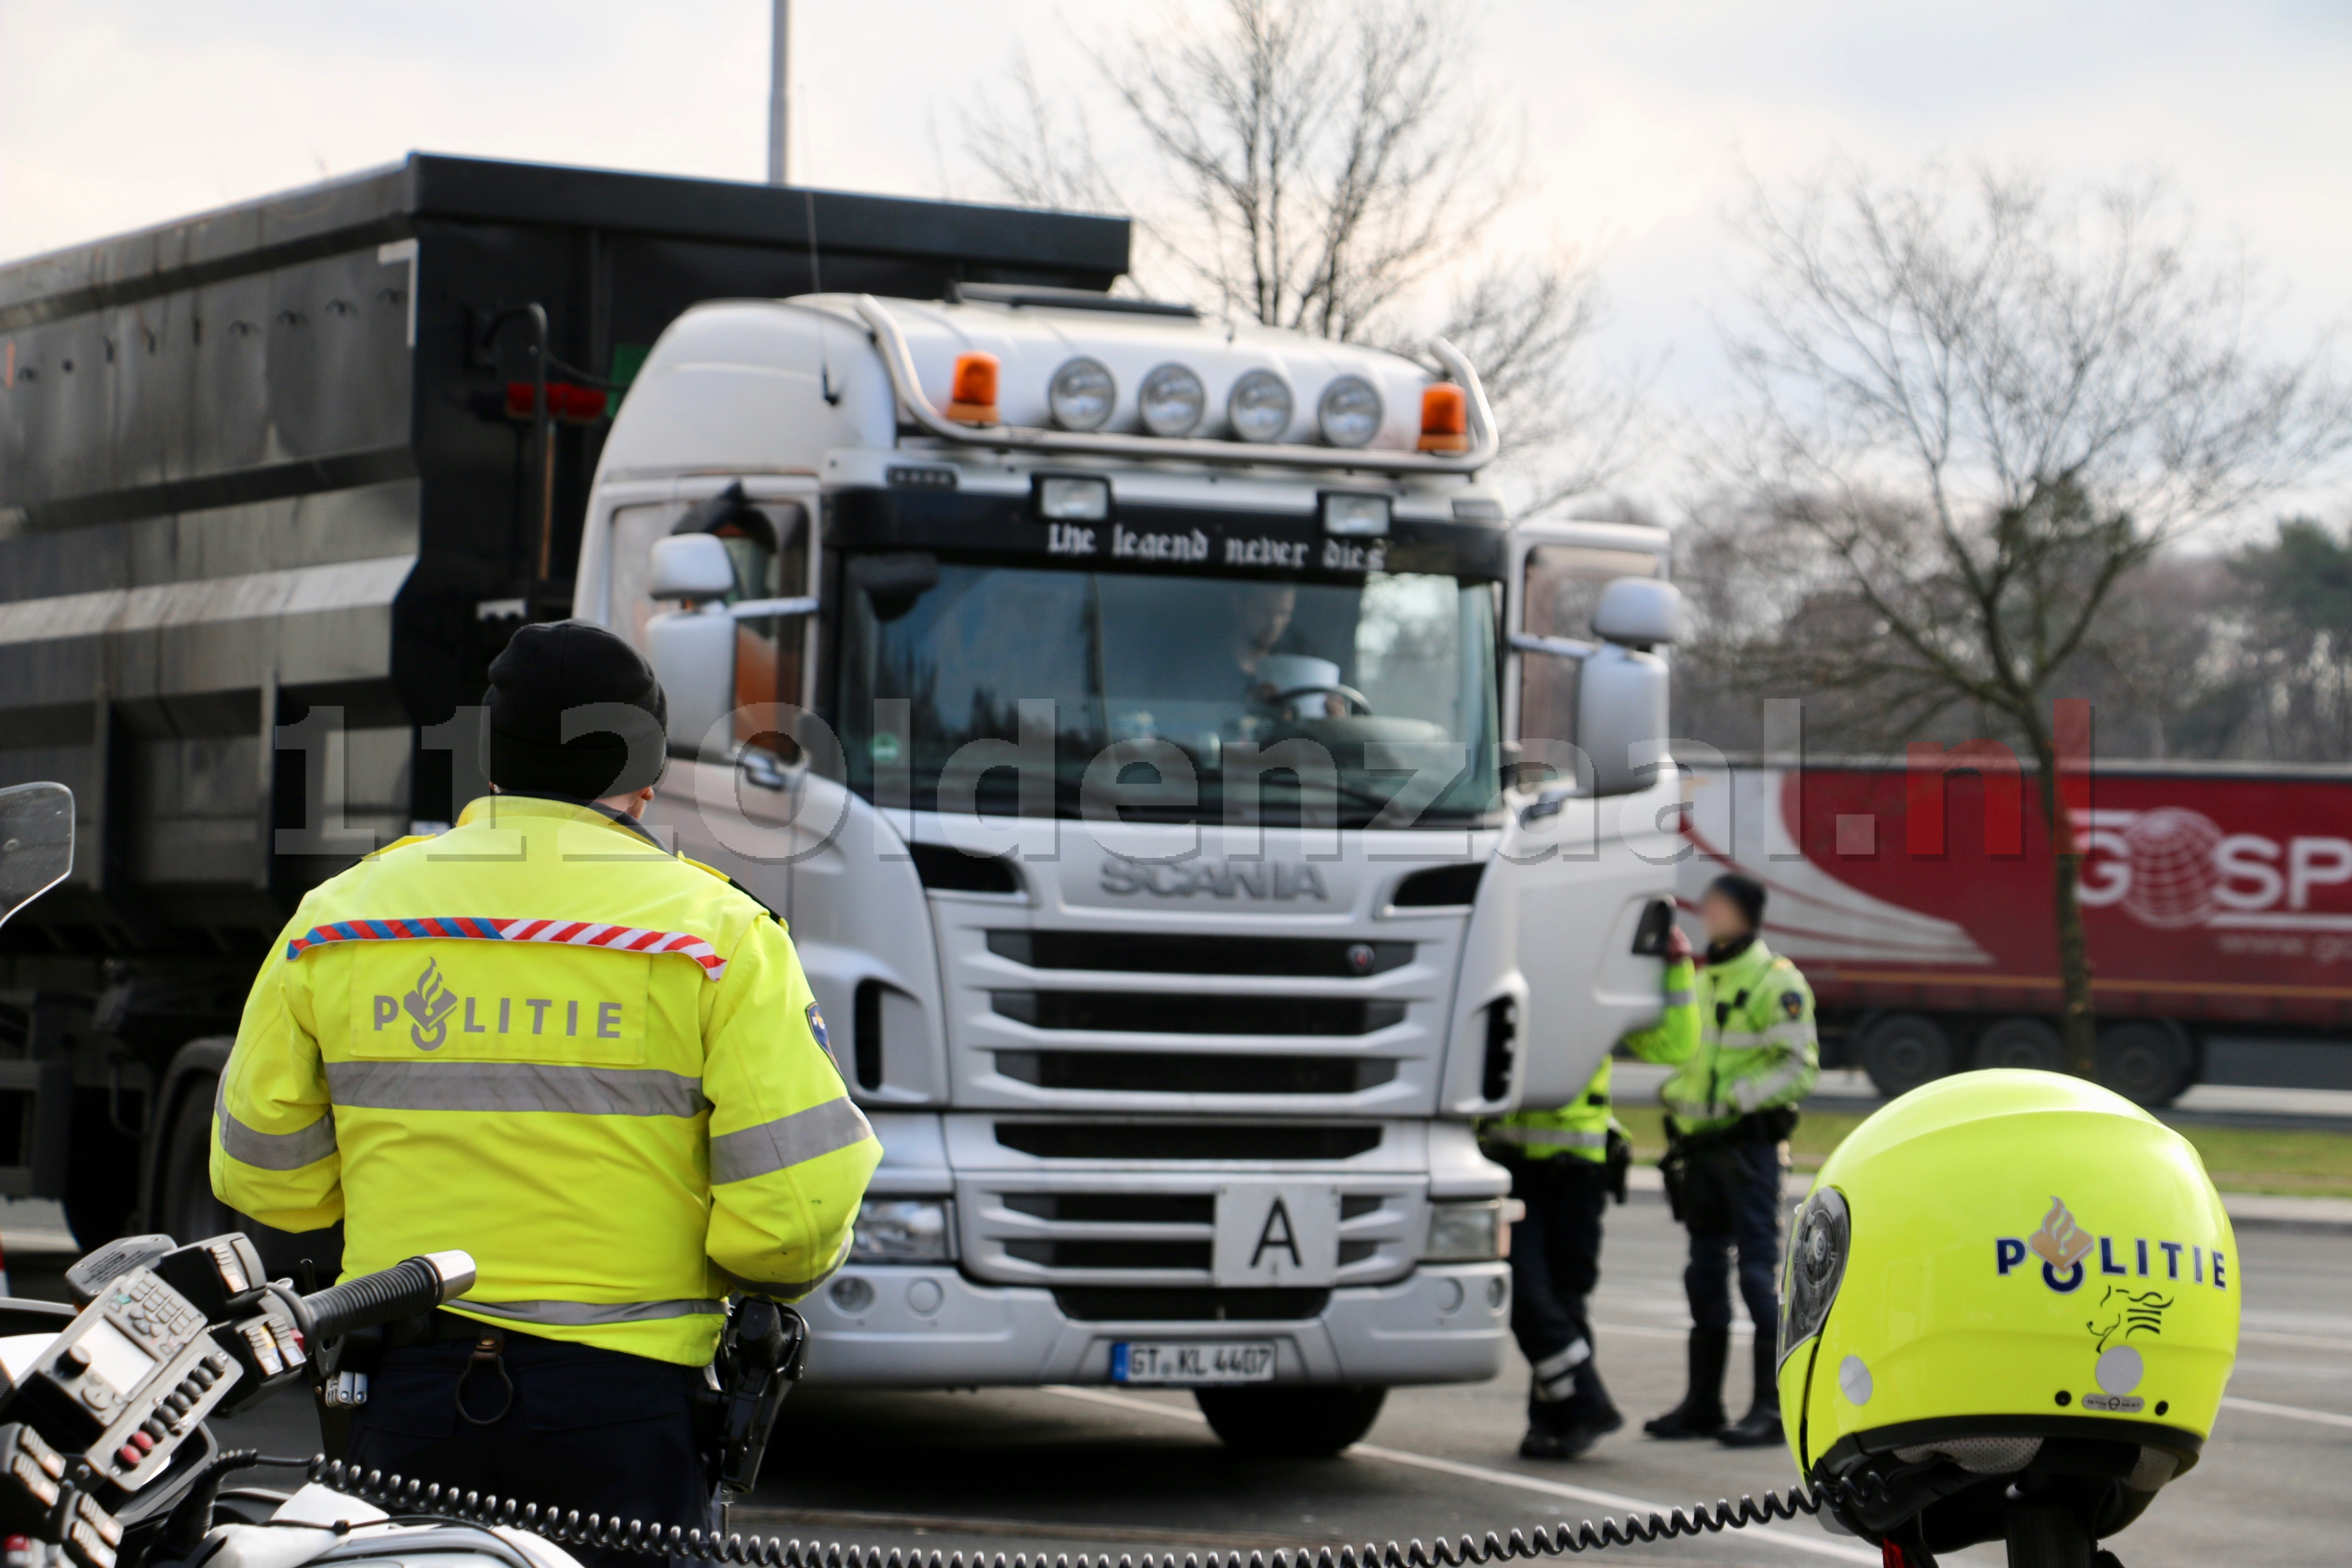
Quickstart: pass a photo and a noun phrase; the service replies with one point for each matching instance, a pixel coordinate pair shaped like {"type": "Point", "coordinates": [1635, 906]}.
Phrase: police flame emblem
{"type": "Point", "coordinates": [2061, 1243]}
{"type": "Point", "coordinates": [428, 1005]}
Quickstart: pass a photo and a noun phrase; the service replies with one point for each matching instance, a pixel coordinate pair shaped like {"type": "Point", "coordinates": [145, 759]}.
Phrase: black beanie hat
{"type": "Point", "coordinates": [1743, 891]}
{"type": "Point", "coordinates": [549, 668]}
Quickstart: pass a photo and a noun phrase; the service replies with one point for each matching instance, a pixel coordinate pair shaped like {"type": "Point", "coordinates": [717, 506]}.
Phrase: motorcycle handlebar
{"type": "Point", "coordinates": [409, 1287]}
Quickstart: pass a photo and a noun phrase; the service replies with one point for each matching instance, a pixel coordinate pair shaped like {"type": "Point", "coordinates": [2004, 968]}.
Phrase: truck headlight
{"type": "Point", "coordinates": [1464, 1232]}
{"type": "Point", "coordinates": [905, 1230]}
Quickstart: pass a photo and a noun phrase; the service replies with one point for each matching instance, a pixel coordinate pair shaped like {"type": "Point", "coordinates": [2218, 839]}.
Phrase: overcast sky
{"type": "Point", "coordinates": [1640, 117]}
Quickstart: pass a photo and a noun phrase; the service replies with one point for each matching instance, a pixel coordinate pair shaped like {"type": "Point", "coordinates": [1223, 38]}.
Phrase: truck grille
{"type": "Point", "coordinates": [1153, 1252]}
{"type": "Point", "coordinates": [1186, 1140]}
{"type": "Point", "coordinates": [1313, 957]}
{"type": "Point", "coordinates": [1203, 1304]}
{"type": "Point", "coordinates": [1152, 1255]}
{"type": "Point", "coordinates": [1177, 1072]}
{"type": "Point", "coordinates": [1243, 1012]}
{"type": "Point", "coordinates": [1154, 1012]}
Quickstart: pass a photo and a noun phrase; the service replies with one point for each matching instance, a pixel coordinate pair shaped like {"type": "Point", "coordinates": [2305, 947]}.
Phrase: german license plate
{"type": "Point", "coordinates": [1171, 1361]}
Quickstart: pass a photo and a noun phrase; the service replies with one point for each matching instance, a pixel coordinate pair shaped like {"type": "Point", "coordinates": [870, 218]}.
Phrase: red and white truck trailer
{"type": "Point", "coordinates": [2217, 898]}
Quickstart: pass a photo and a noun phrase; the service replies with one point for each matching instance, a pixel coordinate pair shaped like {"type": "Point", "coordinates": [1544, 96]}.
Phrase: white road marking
{"type": "Point", "coordinates": [1780, 1535]}
{"type": "Point", "coordinates": [2291, 1412]}
{"type": "Point", "coordinates": [2307, 1342]}
{"type": "Point", "coordinates": [1646, 1330]}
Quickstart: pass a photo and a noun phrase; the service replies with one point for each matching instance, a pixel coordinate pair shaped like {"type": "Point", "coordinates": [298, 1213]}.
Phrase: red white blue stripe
{"type": "Point", "coordinates": [476, 928]}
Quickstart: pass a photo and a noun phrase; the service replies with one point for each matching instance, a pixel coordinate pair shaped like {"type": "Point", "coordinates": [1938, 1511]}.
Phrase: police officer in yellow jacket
{"type": "Point", "coordinates": [595, 1066]}
{"type": "Point", "coordinates": [1562, 1166]}
{"type": "Point", "coordinates": [1729, 1104]}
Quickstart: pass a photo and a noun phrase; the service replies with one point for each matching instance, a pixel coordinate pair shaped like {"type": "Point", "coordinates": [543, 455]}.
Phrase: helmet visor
{"type": "Point", "coordinates": [1815, 1264]}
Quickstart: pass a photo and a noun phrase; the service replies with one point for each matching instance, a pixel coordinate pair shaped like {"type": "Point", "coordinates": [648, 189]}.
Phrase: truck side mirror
{"type": "Point", "coordinates": [1620, 700]}
{"type": "Point", "coordinates": [1639, 612]}
{"type": "Point", "coordinates": [1621, 706]}
{"type": "Point", "coordinates": [692, 650]}
{"type": "Point", "coordinates": [692, 567]}
{"type": "Point", "coordinates": [37, 834]}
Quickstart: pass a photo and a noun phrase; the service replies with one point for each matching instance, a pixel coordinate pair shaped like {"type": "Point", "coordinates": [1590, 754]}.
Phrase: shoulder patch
{"type": "Point", "coordinates": [1792, 1003]}
{"type": "Point", "coordinates": [816, 1027]}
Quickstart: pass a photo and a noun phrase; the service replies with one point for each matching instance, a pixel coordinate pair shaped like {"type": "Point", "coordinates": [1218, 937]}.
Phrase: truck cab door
{"type": "Point", "coordinates": [1586, 850]}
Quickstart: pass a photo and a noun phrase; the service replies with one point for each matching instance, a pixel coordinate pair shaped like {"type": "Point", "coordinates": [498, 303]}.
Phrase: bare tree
{"type": "Point", "coordinates": [1974, 408]}
{"type": "Point", "coordinates": [1039, 153]}
{"type": "Point", "coordinates": [1313, 165]}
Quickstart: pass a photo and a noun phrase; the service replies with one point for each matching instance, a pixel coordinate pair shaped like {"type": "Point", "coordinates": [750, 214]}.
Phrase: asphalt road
{"type": "Point", "coordinates": [1068, 1471]}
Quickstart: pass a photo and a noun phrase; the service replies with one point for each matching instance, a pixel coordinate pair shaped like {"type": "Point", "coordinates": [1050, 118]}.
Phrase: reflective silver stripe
{"type": "Point", "coordinates": [1556, 1375]}
{"type": "Point", "coordinates": [1791, 1032]}
{"type": "Point", "coordinates": [1569, 1360]}
{"type": "Point", "coordinates": [512, 1086]}
{"type": "Point", "coordinates": [787, 1141]}
{"type": "Point", "coordinates": [1750, 1092]}
{"type": "Point", "coordinates": [1682, 998]}
{"type": "Point", "coordinates": [1549, 1137]}
{"type": "Point", "coordinates": [272, 1151]}
{"type": "Point", "coordinates": [588, 1314]}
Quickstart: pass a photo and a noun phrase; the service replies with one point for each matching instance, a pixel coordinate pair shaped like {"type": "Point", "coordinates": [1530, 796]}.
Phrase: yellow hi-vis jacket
{"type": "Point", "coordinates": [595, 1066]}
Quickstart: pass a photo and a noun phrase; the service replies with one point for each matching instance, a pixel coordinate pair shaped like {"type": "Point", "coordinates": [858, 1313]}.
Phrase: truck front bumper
{"type": "Point", "coordinates": [927, 1326]}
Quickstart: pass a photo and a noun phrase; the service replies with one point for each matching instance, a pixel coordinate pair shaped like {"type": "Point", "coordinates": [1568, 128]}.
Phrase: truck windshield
{"type": "Point", "coordinates": [1370, 702]}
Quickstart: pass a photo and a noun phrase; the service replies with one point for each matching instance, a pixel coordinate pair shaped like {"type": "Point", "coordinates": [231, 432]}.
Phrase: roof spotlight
{"type": "Point", "coordinates": [1173, 401]}
{"type": "Point", "coordinates": [1082, 394]}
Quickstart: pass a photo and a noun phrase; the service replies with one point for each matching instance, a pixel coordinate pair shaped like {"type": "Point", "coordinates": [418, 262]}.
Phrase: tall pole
{"type": "Point", "coordinates": [779, 90]}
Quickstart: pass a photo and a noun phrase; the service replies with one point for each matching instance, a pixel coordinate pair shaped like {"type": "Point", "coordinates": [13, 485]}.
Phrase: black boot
{"type": "Point", "coordinates": [1760, 1428]}
{"type": "Point", "coordinates": [1700, 1415]}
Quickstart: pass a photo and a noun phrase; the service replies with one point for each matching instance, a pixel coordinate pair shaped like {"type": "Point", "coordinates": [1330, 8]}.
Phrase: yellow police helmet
{"type": "Point", "coordinates": [2007, 1291]}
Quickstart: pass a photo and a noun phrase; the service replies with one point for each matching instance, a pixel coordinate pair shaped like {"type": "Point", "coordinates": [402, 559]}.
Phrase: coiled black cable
{"type": "Point", "coordinates": [400, 1495]}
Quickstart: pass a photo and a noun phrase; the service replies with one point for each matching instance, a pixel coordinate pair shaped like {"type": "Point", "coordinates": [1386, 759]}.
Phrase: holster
{"type": "Point", "coordinates": [1617, 1161]}
{"type": "Point", "coordinates": [761, 1356]}
{"type": "Point", "coordinates": [1701, 1173]}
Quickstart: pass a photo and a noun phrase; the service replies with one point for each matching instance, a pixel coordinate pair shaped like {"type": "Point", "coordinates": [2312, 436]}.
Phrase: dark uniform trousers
{"type": "Point", "coordinates": [584, 1427]}
{"type": "Point", "coordinates": [1555, 1263]}
{"type": "Point", "coordinates": [1754, 1236]}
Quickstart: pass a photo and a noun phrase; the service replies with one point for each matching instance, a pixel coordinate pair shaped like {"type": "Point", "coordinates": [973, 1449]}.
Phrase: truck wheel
{"type": "Point", "coordinates": [186, 1209]}
{"type": "Point", "coordinates": [2145, 1062]}
{"type": "Point", "coordinates": [101, 1173]}
{"type": "Point", "coordinates": [1903, 1051]}
{"type": "Point", "coordinates": [1289, 1421]}
{"type": "Point", "coordinates": [2023, 1042]}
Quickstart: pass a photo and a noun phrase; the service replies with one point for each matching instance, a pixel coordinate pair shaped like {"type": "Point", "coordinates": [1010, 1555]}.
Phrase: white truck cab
{"type": "Point", "coordinates": [1160, 748]}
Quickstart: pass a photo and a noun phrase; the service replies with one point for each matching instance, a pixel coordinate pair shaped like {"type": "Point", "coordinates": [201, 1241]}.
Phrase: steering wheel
{"type": "Point", "coordinates": [1347, 694]}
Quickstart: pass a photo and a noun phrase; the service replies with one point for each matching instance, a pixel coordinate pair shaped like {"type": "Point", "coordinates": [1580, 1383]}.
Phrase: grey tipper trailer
{"type": "Point", "coordinates": [277, 483]}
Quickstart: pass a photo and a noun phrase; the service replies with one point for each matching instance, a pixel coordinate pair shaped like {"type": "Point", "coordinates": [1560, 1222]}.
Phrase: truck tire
{"type": "Point", "coordinates": [1289, 1421]}
{"type": "Point", "coordinates": [1901, 1050]}
{"type": "Point", "coordinates": [2145, 1060]}
{"type": "Point", "coordinates": [2023, 1042]}
{"type": "Point", "coordinates": [186, 1209]}
{"type": "Point", "coordinates": [101, 1173]}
